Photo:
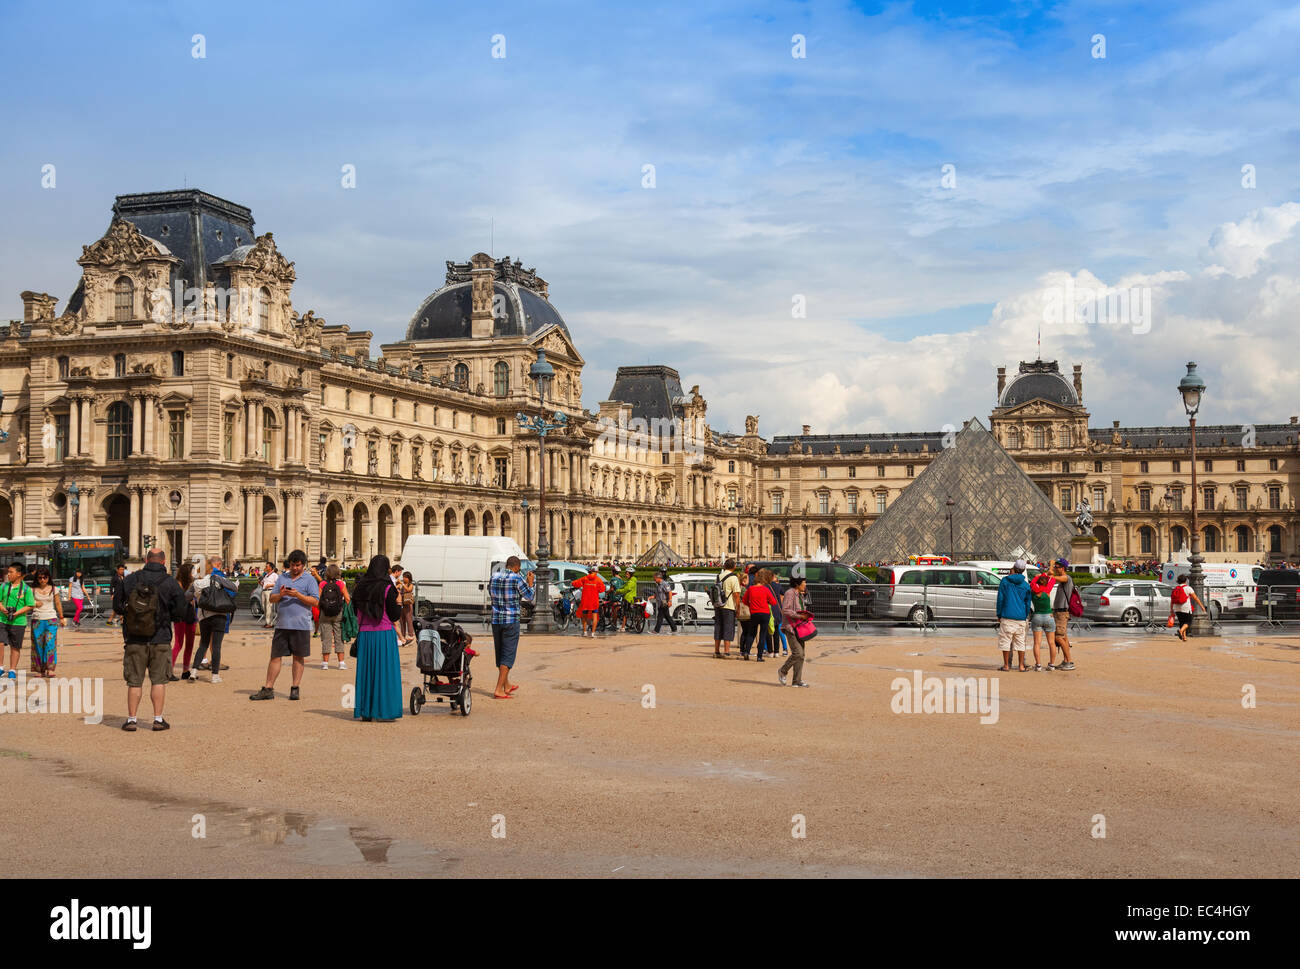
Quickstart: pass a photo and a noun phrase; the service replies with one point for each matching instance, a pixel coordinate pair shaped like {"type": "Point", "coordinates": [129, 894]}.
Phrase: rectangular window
{"type": "Point", "coordinates": [176, 434]}
{"type": "Point", "coordinates": [1241, 465]}
{"type": "Point", "coordinates": [1272, 464]}
{"type": "Point", "coordinates": [776, 504]}
{"type": "Point", "coordinates": [63, 369]}
{"type": "Point", "coordinates": [731, 467]}
{"type": "Point", "coordinates": [1065, 467]}
{"type": "Point", "coordinates": [663, 457]}
{"type": "Point", "coordinates": [1275, 498]}
{"type": "Point", "coordinates": [230, 366]}
{"type": "Point", "coordinates": [1207, 498]}
{"type": "Point", "coordinates": [1098, 498]}
{"type": "Point", "coordinates": [502, 472]}
{"type": "Point", "coordinates": [823, 504]}
{"type": "Point", "coordinates": [1209, 465]}
{"type": "Point", "coordinates": [852, 503]}
{"type": "Point", "coordinates": [501, 425]}
{"type": "Point", "coordinates": [853, 472]}
{"type": "Point", "coordinates": [880, 470]}
{"type": "Point", "coordinates": [60, 436]}
{"type": "Point", "coordinates": [1243, 499]}
{"type": "Point", "coordinates": [1067, 499]}
{"type": "Point", "coordinates": [178, 363]}
{"type": "Point", "coordinates": [1143, 467]}
{"type": "Point", "coordinates": [228, 436]}
{"type": "Point", "coordinates": [415, 413]}
{"type": "Point", "coordinates": [1176, 499]}
{"type": "Point", "coordinates": [1144, 499]}
{"type": "Point", "coordinates": [880, 504]}
{"type": "Point", "coordinates": [1096, 467]}
{"type": "Point", "coordinates": [1178, 467]}
{"type": "Point", "coordinates": [821, 472]}
{"type": "Point", "coordinates": [911, 471]}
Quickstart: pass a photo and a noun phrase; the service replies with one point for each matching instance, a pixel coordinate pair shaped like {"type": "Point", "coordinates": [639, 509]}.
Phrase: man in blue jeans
{"type": "Point", "coordinates": [507, 589]}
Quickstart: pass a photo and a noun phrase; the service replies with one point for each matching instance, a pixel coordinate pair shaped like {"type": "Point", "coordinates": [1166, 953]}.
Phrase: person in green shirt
{"type": "Point", "coordinates": [628, 593]}
{"type": "Point", "coordinates": [16, 601]}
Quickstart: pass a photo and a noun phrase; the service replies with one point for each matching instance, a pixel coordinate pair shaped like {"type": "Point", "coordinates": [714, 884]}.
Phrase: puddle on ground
{"type": "Point", "coordinates": [306, 839]}
{"type": "Point", "coordinates": [575, 688]}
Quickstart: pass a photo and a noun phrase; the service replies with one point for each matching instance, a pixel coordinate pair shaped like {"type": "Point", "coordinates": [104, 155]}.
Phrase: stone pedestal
{"type": "Point", "coordinates": [1082, 549]}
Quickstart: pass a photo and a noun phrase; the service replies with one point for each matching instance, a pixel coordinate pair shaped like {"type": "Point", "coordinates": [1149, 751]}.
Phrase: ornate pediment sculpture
{"type": "Point", "coordinates": [123, 242]}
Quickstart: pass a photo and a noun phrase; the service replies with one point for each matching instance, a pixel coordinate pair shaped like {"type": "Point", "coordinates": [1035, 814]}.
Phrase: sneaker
{"type": "Point", "coordinates": [343, 664]}
{"type": "Point", "coordinates": [129, 726]}
{"type": "Point", "coordinates": [1066, 666]}
{"type": "Point", "coordinates": [801, 683]}
{"type": "Point", "coordinates": [216, 677]}
{"type": "Point", "coordinates": [265, 693]}
{"type": "Point", "coordinates": [1049, 667]}
{"type": "Point", "coordinates": [293, 693]}
{"type": "Point", "coordinates": [12, 675]}
{"type": "Point", "coordinates": [780, 676]}
{"type": "Point", "coordinates": [324, 666]}
{"type": "Point", "coordinates": [187, 676]}
{"type": "Point", "coordinates": [173, 678]}
{"type": "Point", "coordinates": [161, 725]}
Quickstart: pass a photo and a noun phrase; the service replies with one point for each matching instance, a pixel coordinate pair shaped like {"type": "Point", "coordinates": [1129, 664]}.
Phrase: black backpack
{"type": "Point", "coordinates": [218, 596]}
{"type": "Point", "coordinates": [719, 598]}
{"type": "Point", "coordinates": [140, 621]}
{"type": "Point", "coordinates": [331, 600]}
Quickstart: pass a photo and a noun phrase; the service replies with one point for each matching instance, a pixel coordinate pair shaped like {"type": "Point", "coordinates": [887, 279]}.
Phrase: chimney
{"type": "Point", "coordinates": [807, 429]}
{"type": "Point", "coordinates": [1115, 424]}
{"type": "Point", "coordinates": [1294, 419]}
{"type": "Point", "coordinates": [1078, 381]}
{"type": "Point", "coordinates": [481, 275]}
{"type": "Point", "coordinates": [1002, 381]}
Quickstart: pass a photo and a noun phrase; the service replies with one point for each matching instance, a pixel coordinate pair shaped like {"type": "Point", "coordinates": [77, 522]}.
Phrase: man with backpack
{"type": "Point", "coordinates": [16, 604]}
{"type": "Point", "coordinates": [1063, 605]}
{"type": "Point", "coordinates": [148, 602]}
{"type": "Point", "coordinates": [216, 601]}
{"type": "Point", "coordinates": [333, 595]}
{"type": "Point", "coordinates": [725, 595]}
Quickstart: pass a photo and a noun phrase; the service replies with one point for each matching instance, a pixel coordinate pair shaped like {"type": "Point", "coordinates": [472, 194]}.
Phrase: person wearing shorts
{"type": "Point", "coordinates": [144, 653]}
{"type": "Point", "coordinates": [724, 619]}
{"type": "Point", "coordinates": [1061, 614]}
{"type": "Point", "coordinates": [16, 603]}
{"type": "Point", "coordinates": [331, 627]}
{"type": "Point", "coordinates": [295, 595]}
{"type": "Point", "coordinates": [1042, 623]}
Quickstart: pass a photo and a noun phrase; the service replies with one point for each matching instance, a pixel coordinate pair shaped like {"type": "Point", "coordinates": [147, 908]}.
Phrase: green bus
{"type": "Point", "coordinates": [96, 555]}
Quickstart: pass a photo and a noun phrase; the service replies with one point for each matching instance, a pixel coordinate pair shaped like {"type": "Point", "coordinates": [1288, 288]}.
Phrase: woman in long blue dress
{"type": "Point", "coordinates": [378, 694]}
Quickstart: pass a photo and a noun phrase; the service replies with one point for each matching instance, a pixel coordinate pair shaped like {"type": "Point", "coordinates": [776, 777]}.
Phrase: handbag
{"type": "Point", "coordinates": [743, 614]}
{"type": "Point", "coordinates": [805, 629]}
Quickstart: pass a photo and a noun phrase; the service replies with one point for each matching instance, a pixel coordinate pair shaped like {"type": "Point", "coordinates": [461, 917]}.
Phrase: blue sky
{"type": "Point", "coordinates": [777, 178]}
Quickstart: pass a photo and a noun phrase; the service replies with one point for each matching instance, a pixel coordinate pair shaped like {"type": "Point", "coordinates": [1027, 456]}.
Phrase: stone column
{"type": "Point", "coordinates": [67, 516]}
{"type": "Point", "coordinates": [292, 423]}
{"type": "Point", "coordinates": [86, 443]}
{"type": "Point", "coordinates": [248, 429]}
{"type": "Point", "coordinates": [149, 514]}
{"type": "Point", "coordinates": [149, 408]}
{"type": "Point", "coordinates": [133, 544]}
{"type": "Point", "coordinates": [17, 497]}
{"type": "Point", "coordinates": [137, 425]}
{"type": "Point", "coordinates": [249, 548]}
{"type": "Point", "coordinates": [187, 437]}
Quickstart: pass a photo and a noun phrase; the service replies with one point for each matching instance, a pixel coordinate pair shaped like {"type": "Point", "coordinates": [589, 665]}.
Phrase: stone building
{"type": "Point", "coordinates": [192, 406]}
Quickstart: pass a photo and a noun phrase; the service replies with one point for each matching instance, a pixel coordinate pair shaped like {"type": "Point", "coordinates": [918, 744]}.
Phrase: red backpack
{"type": "Point", "coordinates": [1179, 595]}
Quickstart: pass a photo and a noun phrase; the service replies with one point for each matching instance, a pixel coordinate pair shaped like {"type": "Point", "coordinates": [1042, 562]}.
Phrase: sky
{"type": "Point", "coordinates": [853, 239]}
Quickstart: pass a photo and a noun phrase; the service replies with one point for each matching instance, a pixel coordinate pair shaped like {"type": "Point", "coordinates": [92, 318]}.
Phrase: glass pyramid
{"type": "Point", "coordinates": [999, 513]}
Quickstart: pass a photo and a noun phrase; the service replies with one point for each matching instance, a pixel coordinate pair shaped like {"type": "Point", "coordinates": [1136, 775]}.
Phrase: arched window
{"type": "Point", "coordinates": [119, 430]}
{"type": "Point", "coordinates": [501, 379]}
{"type": "Point", "coordinates": [263, 310]}
{"type": "Point", "coordinates": [462, 375]}
{"type": "Point", "coordinates": [1013, 438]}
{"type": "Point", "coordinates": [1245, 540]}
{"type": "Point", "coordinates": [1147, 535]}
{"type": "Point", "coordinates": [1211, 538]}
{"type": "Point", "coordinates": [123, 299]}
{"type": "Point", "coordinates": [268, 432]}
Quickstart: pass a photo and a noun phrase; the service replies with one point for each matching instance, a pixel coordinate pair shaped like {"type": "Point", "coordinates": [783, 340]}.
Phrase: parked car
{"type": "Point", "coordinates": [691, 597]}
{"type": "Point", "coordinates": [924, 593]}
{"type": "Point", "coordinates": [826, 601]}
{"type": "Point", "coordinates": [1280, 590]}
{"type": "Point", "coordinates": [1130, 602]}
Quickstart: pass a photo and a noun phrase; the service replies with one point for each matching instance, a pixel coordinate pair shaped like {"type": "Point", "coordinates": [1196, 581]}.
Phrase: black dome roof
{"type": "Point", "coordinates": [446, 314]}
{"type": "Point", "coordinates": [1038, 380]}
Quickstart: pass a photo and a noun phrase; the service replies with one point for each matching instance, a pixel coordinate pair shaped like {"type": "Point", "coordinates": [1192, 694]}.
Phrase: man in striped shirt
{"type": "Point", "coordinates": [507, 589]}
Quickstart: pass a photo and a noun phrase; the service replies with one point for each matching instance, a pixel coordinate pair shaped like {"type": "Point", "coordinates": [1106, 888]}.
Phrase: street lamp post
{"type": "Point", "coordinates": [323, 500]}
{"type": "Point", "coordinates": [542, 373]}
{"type": "Point", "coordinates": [1192, 389]}
{"type": "Point", "coordinates": [950, 504]}
{"type": "Point", "coordinates": [275, 551]}
{"type": "Point", "coordinates": [174, 499]}
{"type": "Point", "coordinates": [528, 530]}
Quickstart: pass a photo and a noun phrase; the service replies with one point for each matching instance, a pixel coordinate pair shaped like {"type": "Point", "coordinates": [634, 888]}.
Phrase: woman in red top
{"type": "Point", "coordinates": [592, 586]}
{"type": "Point", "coordinates": [758, 597]}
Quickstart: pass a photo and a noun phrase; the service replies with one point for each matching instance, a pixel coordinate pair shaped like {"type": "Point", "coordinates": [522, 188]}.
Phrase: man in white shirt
{"type": "Point", "coordinates": [269, 578]}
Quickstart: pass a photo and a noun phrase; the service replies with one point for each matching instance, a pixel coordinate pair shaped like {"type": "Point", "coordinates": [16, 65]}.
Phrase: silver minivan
{"type": "Point", "coordinates": [922, 593]}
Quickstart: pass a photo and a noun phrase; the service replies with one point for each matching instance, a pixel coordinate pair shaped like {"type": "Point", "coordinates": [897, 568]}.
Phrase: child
{"type": "Point", "coordinates": [1041, 621]}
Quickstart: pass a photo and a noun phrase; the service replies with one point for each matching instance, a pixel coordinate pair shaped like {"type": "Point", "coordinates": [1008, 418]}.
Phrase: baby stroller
{"type": "Point", "coordinates": [442, 653]}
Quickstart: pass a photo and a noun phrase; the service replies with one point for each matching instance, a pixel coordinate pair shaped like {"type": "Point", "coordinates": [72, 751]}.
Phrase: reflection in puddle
{"type": "Point", "coordinates": [303, 838]}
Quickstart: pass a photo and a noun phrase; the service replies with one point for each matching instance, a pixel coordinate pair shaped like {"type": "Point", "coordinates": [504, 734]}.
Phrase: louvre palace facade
{"type": "Point", "coordinates": [179, 399]}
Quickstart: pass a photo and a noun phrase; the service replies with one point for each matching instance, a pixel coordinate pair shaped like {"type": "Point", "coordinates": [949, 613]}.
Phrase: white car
{"type": "Point", "coordinates": [691, 596]}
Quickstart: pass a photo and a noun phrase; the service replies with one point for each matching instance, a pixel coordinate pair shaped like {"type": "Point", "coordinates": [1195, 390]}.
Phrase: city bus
{"type": "Point", "coordinates": [96, 555]}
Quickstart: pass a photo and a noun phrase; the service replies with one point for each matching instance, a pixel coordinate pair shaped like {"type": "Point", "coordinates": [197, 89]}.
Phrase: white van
{"type": "Point", "coordinates": [1000, 569]}
{"type": "Point", "coordinates": [1229, 586]}
{"type": "Point", "coordinates": [451, 572]}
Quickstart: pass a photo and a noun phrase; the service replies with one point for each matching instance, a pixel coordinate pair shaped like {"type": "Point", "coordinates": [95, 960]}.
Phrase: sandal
{"type": "Point", "coordinates": [502, 696]}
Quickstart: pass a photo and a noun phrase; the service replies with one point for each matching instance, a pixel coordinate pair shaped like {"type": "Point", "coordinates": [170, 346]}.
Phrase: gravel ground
{"type": "Point", "coordinates": [584, 775]}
